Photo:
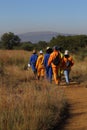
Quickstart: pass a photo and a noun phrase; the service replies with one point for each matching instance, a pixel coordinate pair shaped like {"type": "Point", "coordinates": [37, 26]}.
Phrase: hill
{"type": "Point", "coordinates": [35, 37]}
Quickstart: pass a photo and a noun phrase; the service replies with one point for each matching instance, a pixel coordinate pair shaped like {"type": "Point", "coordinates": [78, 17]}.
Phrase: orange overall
{"type": "Point", "coordinates": [40, 66]}
{"type": "Point", "coordinates": [54, 67]}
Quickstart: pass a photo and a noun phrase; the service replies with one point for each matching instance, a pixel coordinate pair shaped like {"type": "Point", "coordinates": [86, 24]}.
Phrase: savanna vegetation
{"type": "Point", "coordinates": [25, 103]}
{"type": "Point", "coordinates": [74, 43]}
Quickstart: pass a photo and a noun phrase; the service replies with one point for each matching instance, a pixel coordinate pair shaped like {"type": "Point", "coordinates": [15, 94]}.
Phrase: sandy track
{"type": "Point", "coordinates": [77, 98]}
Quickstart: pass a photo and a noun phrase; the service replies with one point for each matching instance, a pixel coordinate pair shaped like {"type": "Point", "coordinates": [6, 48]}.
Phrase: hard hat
{"type": "Point", "coordinates": [66, 52]}
{"type": "Point", "coordinates": [48, 48]}
{"type": "Point", "coordinates": [41, 52]}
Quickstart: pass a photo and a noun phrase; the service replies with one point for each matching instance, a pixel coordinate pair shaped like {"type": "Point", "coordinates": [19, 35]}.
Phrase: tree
{"type": "Point", "coordinates": [41, 45]}
{"type": "Point", "coordinates": [9, 40]}
{"type": "Point", "coordinates": [27, 46]}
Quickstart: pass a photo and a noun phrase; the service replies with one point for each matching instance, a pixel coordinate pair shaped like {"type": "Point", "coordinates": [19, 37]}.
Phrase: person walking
{"type": "Point", "coordinates": [48, 69]}
{"type": "Point", "coordinates": [60, 70]}
{"type": "Point", "coordinates": [67, 63]}
{"type": "Point", "coordinates": [54, 61]}
{"type": "Point", "coordinates": [40, 65]}
{"type": "Point", "coordinates": [32, 62]}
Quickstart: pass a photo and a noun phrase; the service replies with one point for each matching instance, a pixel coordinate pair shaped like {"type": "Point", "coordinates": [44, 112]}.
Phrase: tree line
{"type": "Point", "coordinates": [74, 43]}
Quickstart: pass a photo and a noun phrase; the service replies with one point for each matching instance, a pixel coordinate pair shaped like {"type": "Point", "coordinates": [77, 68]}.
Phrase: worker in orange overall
{"type": "Point", "coordinates": [60, 71]}
{"type": "Point", "coordinates": [67, 63]}
{"type": "Point", "coordinates": [40, 65]}
{"type": "Point", "coordinates": [54, 61]}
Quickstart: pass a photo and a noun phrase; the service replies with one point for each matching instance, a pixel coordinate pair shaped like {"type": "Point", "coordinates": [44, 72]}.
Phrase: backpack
{"type": "Point", "coordinates": [56, 60]}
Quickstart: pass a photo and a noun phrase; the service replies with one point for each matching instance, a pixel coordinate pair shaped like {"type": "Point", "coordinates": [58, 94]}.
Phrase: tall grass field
{"type": "Point", "coordinates": [29, 104]}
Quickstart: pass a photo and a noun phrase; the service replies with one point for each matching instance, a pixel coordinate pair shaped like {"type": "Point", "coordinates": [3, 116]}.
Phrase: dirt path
{"type": "Point", "coordinates": [77, 98]}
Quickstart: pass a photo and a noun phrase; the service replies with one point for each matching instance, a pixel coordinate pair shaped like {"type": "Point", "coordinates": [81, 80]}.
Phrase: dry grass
{"type": "Point", "coordinates": [25, 103]}
{"type": "Point", "coordinates": [29, 108]}
{"type": "Point", "coordinates": [79, 71]}
{"type": "Point", "coordinates": [15, 57]}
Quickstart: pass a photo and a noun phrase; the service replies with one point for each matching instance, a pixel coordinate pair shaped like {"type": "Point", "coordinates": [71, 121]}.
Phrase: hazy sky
{"type": "Point", "coordinates": [63, 16]}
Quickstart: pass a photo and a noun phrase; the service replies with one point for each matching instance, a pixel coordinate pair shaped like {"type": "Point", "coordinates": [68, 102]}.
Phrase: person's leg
{"type": "Point", "coordinates": [35, 73]}
{"type": "Point", "coordinates": [34, 69]}
{"type": "Point", "coordinates": [47, 73]}
{"type": "Point", "coordinates": [59, 73]}
{"type": "Point", "coordinates": [55, 74]}
{"type": "Point", "coordinates": [38, 73]}
{"type": "Point", "coordinates": [42, 73]}
{"type": "Point", "coordinates": [50, 74]}
{"type": "Point", "coordinates": [66, 74]}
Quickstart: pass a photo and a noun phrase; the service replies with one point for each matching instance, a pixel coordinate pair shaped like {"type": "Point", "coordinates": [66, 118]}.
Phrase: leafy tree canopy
{"type": "Point", "coordinates": [9, 40]}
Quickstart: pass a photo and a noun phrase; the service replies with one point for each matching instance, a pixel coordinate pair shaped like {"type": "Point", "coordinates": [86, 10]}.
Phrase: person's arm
{"type": "Point", "coordinates": [50, 60]}
{"type": "Point", "coordinates": [37, 62]}
{"type": "Point", "coordinates": [72, 61]}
